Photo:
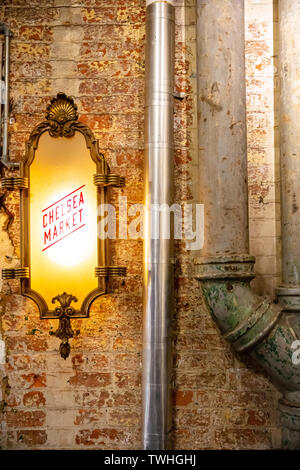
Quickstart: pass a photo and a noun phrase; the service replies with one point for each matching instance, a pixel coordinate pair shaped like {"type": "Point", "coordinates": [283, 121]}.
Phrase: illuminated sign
{"type": "Point", "coordinates": [63, 180]}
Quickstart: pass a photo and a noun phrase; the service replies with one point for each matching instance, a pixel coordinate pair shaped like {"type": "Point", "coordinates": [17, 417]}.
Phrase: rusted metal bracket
{"type": "Point", "coordinates": [116, 181]}
{"type": "Point", "coordinates": [62, 121]}
{"type": "Point", "coordinates": [110, 271]}
{"type": "Point", "coordinates": [15, 273]}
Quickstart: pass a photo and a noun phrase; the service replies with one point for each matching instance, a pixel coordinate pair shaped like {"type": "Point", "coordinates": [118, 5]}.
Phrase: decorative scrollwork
{"type": "Point", "coordinates": [64, 331]}
{"type": "Point", "coordinates": [61, 119]}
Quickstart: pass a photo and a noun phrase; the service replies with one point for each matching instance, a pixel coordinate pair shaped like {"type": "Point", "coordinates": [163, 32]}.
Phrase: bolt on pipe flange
{"type": "Point", "coordinates": [289, 298]}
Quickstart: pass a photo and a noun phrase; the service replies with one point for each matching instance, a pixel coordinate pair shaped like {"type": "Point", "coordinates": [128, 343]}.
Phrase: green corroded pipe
{"type": "Point", "coordinates": [248, 321]}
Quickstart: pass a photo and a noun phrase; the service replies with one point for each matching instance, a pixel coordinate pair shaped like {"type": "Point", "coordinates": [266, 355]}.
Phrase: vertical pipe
{"type": "Point", "coordinates": [289, 122]}
{"type": "Point", "coordinates": [1, 85]}
{"type": "Point", "coordinates": [249, 322]}
{"type": "Point", "coordinates": [158, 269]}
{"type": "Point", "coordinates": [288, 293]}
{"type": "Point", "coordinates": [6, 98]}
{"type": "Point", "coordinates": [222, 125]}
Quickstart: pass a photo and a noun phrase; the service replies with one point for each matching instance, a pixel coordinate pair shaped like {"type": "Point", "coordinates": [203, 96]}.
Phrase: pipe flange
{"type": "Point", "coordinates": [289, 416]}
{"type": "Point", "coordinates": [249, 322]}
{"type": "Point", "coordinates": [225, 267]}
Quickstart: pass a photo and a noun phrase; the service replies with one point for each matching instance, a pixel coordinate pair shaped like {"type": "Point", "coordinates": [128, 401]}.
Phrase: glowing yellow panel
{"type": "Point", "coordinates": [63, 218]}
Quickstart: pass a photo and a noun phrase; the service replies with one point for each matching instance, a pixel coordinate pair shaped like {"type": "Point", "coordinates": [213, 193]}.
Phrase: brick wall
{"type": "Point", "coordinates": [94, 51]}
{"type": "Point", "coordinates": [261, 35]}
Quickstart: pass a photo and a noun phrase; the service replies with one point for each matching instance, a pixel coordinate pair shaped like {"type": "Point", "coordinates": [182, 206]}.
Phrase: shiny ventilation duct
{"type": "Point", "coordinates": [158, 266]}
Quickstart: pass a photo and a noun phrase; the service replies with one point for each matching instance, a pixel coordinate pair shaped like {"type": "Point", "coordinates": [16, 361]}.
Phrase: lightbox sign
{"type": "Point", "coordinates": [63, 180]}
{"type": "Point", "coordinates": [63, 217]}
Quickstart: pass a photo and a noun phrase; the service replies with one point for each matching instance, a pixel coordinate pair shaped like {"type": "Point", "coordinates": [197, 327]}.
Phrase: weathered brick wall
{"type": "Point", "coordinates": [94, 51]}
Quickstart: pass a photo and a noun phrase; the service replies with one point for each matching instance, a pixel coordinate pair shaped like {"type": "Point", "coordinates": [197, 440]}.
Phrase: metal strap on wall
{"type": "Point", "coordinates": [5, 58]}
{"type": "Point", "coordinates": [110, 271]}
{"type": "Point", "coordinates": [13, 183]}
{"type": "Point", "coordinates": [15, 273]}
{"type": "Point", "coordinates": [109, 180]}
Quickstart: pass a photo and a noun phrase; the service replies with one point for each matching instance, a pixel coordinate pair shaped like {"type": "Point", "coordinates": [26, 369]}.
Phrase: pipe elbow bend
{"type": "Point", "coordinates": [250, 322]}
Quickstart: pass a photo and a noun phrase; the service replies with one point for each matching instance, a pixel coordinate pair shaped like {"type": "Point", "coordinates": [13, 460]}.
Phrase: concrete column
{"type": "Point", "coordinates": [222, 125]}
{"type": "Point", "coordinates": [289, 125]}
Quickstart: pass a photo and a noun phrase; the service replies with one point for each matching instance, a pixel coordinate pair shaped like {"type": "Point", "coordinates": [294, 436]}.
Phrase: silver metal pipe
{"type": "Point", "coordinates": [4, 29]}
{"type": "Point", "coordinates": [158, 267]}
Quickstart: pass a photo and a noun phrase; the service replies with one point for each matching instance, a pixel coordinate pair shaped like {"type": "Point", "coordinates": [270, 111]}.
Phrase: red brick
{"type": "Point", "coordinates": [243, 439]}
{"type": "Point", "coordinates": [77, 360]}
{"type": "Point", "coordinates": [114, 32]}
{"type": "Point", "coordinates": [125, 398]}
{"type": "Point", "coordinates": [258, 418]}
{"type": "Point", "coordinates": [26, 343]}
{"type": "Point", "coordinates": [105, 68]}
{"type": "Point", "coordinates": [126, 361]}
{"type": "Point", "coordinates": [192, 418]}
{"type": "Point", "coordinates": [25, 419]}
{"type": "Point", "coordinates": [34, 399]}
{"type": "Point", "coordinates": [106, 438]}
{"type": "Point", "coordinates": [130, 344]}
{"type": "Point", "coordinates": [93, 87]}
{"type": "Point", "coordinates": [91, 379]}
{"type": "Point", "coordinates": [182, 398]}
{"type": "Point", "coordinates": [127, 380]}
{"type": "Point", "coordinates": [206, 379]}
{"type": "Point", "coordinates": [12, 399]}
{"type": "Point", "coordinates": [30, 69]}
{"type": "Point", "coordinates": [34, 380]}
{"type": "Point", "coordinates": [31, 16]}
{"type": "Point", "coordinates": [89, 417]}
{"type": "Point", "coordinates": [33, 3]}
{"type": "Point", "coordinates": [35, 33]}
{"type": "Point", "coordinates": [32, 438]}
{"type": "Point", "coordinates": [99, 15]}
{"type": "Point", "coordinates": [22, 51]}
{"type": "Point", "coordinates": [94, 398]}
{"type": "Point", "coordinates": [120, 417]}
{"type": "Point", "coordinates": [102, 122]}
{"type": "Point", "coordinates": [125, 85]}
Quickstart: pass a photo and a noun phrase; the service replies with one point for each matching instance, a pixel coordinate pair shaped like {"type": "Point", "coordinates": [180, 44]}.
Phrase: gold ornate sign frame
{"type": "Point", "coordinates": [61, 121]}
